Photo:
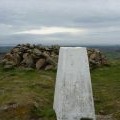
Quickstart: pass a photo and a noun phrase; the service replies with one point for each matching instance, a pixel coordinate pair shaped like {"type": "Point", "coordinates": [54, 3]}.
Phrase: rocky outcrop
{"type": "Point", "coordinates": [39, 57]}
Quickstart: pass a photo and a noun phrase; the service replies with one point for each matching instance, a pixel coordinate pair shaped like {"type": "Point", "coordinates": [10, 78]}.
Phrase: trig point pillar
{"type": "Point", "coordinates": [73, 98]}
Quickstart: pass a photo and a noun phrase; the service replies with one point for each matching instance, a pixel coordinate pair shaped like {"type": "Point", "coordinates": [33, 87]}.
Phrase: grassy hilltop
{"type": "Point", "coordinates": [28, 94]}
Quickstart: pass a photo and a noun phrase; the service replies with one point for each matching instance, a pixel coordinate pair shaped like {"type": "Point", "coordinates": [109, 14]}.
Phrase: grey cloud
{"type": "Point", "coordinates": [93, 15]}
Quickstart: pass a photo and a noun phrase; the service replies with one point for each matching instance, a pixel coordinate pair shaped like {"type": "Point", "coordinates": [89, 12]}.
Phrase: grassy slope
{"type": "Point", "coordinates": [106, 88]}
{"type": "Point", "coordinates": [30, 93]}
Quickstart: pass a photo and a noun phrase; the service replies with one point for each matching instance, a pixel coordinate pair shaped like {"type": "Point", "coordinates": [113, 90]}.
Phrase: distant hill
{"type": "Point", "coordinates": [112, 52]}
{"type": "Point", "coordinates": [4, 49]}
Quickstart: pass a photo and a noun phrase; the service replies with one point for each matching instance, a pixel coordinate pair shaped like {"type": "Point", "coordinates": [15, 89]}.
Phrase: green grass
{"type": "Point", "coordinates": [32, 91]}
{"type": "Point", "coordinates": [112, 55]}
{"type": "Point", "coordinates": [106, 88]}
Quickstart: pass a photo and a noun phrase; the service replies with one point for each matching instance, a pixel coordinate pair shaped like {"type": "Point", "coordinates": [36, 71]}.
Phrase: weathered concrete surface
{"type": "Point", "coordinates": [73, 98]}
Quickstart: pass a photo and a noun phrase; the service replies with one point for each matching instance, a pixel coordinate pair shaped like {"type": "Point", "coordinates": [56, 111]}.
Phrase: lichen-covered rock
{"type": "Point", "coordinates": [8, 67]}
{"type": "Point", "coordinates": [17, 59]}
{"type": "Point", "coordinates": [49, 67]}
{"type": "Point", "coordinates": [40, 63]}
{"type": "Point", "coordinates": [28, 60]}
{"type": "Point", "coordinates": [37, 52]}
{"type": "Point", "coordinates": [9, 57]}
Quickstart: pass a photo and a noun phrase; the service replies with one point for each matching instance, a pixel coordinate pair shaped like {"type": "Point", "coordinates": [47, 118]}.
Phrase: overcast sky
{"type": "Point", "coordinates": [73, 22]}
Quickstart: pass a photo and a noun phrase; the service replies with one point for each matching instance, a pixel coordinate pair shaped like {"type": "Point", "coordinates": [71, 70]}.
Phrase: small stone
{"type": "Point", "coordinates": [40, 63]}
{"type": "Point", "coordinates": [15, 50]}
{"type": "Point", "coordinates": [28, 60]}
{"type": "Point", "coordinates": [37, 52]}
{"type": "Point", "coordinates": [8, 66]}
{"type": "Point", "coordinates": [49, 67]}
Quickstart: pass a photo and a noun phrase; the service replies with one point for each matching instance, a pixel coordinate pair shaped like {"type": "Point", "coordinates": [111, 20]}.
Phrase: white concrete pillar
{"type": "Point", "coordinates": [73, 98]}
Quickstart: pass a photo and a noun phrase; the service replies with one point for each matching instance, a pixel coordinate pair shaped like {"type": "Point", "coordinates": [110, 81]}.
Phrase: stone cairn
{"type": "Point", "coordinates": [44, 58]}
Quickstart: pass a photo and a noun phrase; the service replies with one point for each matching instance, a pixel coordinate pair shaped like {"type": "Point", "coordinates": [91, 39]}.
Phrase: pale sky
{"type": "Point", "coordinates": [66, 22]}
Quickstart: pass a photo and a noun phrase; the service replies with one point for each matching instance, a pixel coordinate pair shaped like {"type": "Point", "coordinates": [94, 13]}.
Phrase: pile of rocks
{"type": "Point", "coordinates": [96, 58]}
{"type": "Point", "coordinates": [31, 56]}
{"type": "Point", "coordinates": [39, 57]}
